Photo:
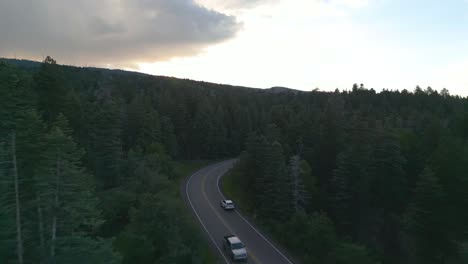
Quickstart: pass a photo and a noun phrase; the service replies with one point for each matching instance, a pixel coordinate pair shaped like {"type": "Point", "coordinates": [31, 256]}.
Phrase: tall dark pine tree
{"type": "Point", "coordinates": [151, 129]}
{"type": "Point", "coordinates": [15, 99]}
{"type": "Point", "coordinates": [108, 144]}
{"type": "Point", "coordinates": [220, 134]}
{"type": "Point", "coordinates": [279, 196]}
{"type": "Point", "coordinates": [258, 163]}
{"type": "Point", "coordinates": [342, 194]}
{"type": "Point", "coordinates": [389, 191]}
{"type": "Point", "coordinates": [450, 164]}
{"type": "Point", "coordinates": [426, 221]}
{"type": "Point", "coordinates": [351, 181]}
{"type": "Point", "coordinates": [331, 136]}
{"type": "Point", "coordinates": [31, 160]}
{"type": "Point", "coordinates": [11, 207]}
{"type": "Point", "coordinates": [143, 124]}
{"type": "Point", "coordinates": [135, 112]}
{"type": "Point", "coordinates": [203, 130]}
{"type": "Point", "coordinates": [70, 203]}
{"type": "Point", "coordinates": [50, 89]}
{"type": "Point", "coordinates": [168, 136]}
{"type": "Point", "coordinates": [182, 123]}
{"type": "Point", "coordinates": [297, 185]}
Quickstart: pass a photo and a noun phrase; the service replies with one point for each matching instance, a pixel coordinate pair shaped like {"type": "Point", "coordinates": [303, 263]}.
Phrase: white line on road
{"type": "Point", "coordinates": [245, 220]}
{"type": "Point", "coordinates": [199, 219]}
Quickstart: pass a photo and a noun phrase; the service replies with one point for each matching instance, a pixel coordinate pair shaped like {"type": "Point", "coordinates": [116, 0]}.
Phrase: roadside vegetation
{"type": "Point", "coordinates": [70, 192]}
{"type": "Point", "coordinates": [369, 191]}
{"type": "Point", "coordinates": [232, 190]}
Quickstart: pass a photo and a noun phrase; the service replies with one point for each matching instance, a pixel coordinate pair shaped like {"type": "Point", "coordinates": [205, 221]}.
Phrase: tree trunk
{"type": "Point", "coordinates": [297, 195]}
{"type": "Point", "coordinates": [19, 238]}
{"type": "Point", "coordinates": [56, 204]}
{"type": "Point", "coordinates": [40, 223]}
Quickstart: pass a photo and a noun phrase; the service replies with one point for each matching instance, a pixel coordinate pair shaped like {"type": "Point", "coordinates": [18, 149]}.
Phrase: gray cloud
{"type": "Point", "coordinates": [109, 31]}
{"type": "Point", "coordinates": [237, 4]}
{"type": "Point", "coordinates": [249, 3]}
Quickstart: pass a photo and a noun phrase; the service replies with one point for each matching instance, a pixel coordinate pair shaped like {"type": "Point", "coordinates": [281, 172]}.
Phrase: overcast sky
{"type": "Point", "coordinates": [302, 44]}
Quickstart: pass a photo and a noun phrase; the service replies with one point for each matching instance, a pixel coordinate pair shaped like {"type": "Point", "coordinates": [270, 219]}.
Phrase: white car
{"type": "Point", "coordinates": [227, 205]}
{"type": "Point", "coordinates": [235, 248]}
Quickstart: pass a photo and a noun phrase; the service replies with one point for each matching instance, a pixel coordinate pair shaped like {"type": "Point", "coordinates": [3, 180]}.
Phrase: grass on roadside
{"type": "Point", "coordinates": [182, 169]}
{"type": "Point", "coordinates": [231, 185]}
{"type": "Point", "coordinates": [233, 190]}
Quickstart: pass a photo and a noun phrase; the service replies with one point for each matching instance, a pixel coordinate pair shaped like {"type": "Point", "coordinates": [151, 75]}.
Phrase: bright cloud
{"type": "Point", "coordinates": [330, 44]}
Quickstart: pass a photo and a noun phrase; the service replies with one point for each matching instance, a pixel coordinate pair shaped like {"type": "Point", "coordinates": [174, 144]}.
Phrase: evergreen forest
{"type": "Point", "coordinates": [91, 162]}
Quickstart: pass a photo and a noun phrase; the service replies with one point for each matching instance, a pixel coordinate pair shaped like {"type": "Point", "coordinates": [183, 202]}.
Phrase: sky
{"type": "Point", "coordinates": [301, 44]}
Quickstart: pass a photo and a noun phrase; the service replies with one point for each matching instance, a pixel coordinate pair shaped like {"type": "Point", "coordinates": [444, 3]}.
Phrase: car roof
{"type": "Point", "coordinates": [234, 240]}
{"type": "Point", "coordinates": [228, 201]}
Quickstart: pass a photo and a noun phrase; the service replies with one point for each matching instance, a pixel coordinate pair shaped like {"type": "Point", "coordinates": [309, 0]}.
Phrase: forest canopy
{"type": "Point", "coordinates": [87, 167]}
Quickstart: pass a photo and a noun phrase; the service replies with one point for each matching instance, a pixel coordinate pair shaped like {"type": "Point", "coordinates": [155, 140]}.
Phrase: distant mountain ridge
{"type": "Point", "coordinates": [29, 64]}
{"type": "Point", "coordinates": [280, 89]}
{"type": "Point", "coordinates": [21, 63]}
{"type": "Point", "coordinates": [33, 65]}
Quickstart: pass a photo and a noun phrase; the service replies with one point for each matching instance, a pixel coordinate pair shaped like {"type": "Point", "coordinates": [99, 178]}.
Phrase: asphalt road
{"type": "Point", "coordinates": [203, 196]}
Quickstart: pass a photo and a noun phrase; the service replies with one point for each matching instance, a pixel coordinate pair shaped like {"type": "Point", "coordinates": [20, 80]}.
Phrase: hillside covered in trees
{"type": "Point", "coordinates": [88, 174]}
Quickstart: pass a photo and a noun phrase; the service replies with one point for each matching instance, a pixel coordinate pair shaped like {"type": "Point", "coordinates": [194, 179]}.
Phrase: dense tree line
{"type": "Point", "coordinates": [77, 186]}
{"type": "Point", "coordinates": [373, 178]}
{"type": "Point", "coordinates": [340, 177]}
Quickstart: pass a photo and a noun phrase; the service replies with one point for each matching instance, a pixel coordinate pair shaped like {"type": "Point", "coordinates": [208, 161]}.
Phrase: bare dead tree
{"type": "Point", "coordinates": [19, 235]}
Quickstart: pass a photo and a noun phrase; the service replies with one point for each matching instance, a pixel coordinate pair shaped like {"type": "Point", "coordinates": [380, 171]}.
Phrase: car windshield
{"type": "Point", "coordinates": [237, 246]}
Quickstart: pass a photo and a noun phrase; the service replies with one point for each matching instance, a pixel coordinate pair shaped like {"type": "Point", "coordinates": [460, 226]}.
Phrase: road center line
{"type": "Point", "coordinates": [199, 219]}
{"type": "Point", "coordinates": [203, 190]}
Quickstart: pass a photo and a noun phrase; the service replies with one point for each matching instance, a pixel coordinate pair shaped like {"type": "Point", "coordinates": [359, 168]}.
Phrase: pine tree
{"type": "Point", "coordinates": [220, 137]}
{"type": "Point", "coordinates": [258, 147]}
{"type": "Point", "coordinates": [312, 234]}
{"type": "Point", "coordinates": [31, 146]}
{"type": "Point", "coordinates": [449, 163]}
{"type": "Point", "coordinates": [143, 123]}
{"type": "Point", "coordinates": [151, 129]}
{"type": "Point", "coordinates": [342, 194]}
{"type": "Point", "coordinates": [108, 144]}
{"type": "Point", "coordinates": [50, 89]}
{"type": "Point", "coordinates": [331, 136]}
{"type": "Point", "coordinates": [203, 130]}
{"type": "Point", "coordinates": [311, 194]}
{"type": "Point", "coordinates": [298, 190]}
{"type": "Point", "coordinates": [15, 99]}
{"type": "Point", "coordinates": [21, 156]}
{"type": "Point", "coordinates": [135, 112]}
{"type": "Point", "coordinates": [182, 125]}
{"type": "Point", "coordinates": [273, 133]}
{"type": "Point", "coordinates": [168, 136]}
{"type": "Point", "coordinates": [8, 232]}
{"type": "Point", "coordinates": [425, 220]}
{"type": "Point", "coordinates": [389, 190]}
{"type": "Point", "coordinates": [278, 199]}
{"type": "Point", "coordinates": [351, 181]}
{"type": "Point", "coordinates": [70, 203]}
{"type": "Point", "coordinates": [17, 203]}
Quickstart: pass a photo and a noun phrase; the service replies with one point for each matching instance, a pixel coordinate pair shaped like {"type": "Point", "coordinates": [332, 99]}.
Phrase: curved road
{"type": "Point", "coordinates": [203, 196]}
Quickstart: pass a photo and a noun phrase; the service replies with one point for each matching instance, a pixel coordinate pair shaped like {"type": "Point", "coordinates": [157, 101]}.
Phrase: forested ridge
{"type": "Point", "coordinates": [88, 174]}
